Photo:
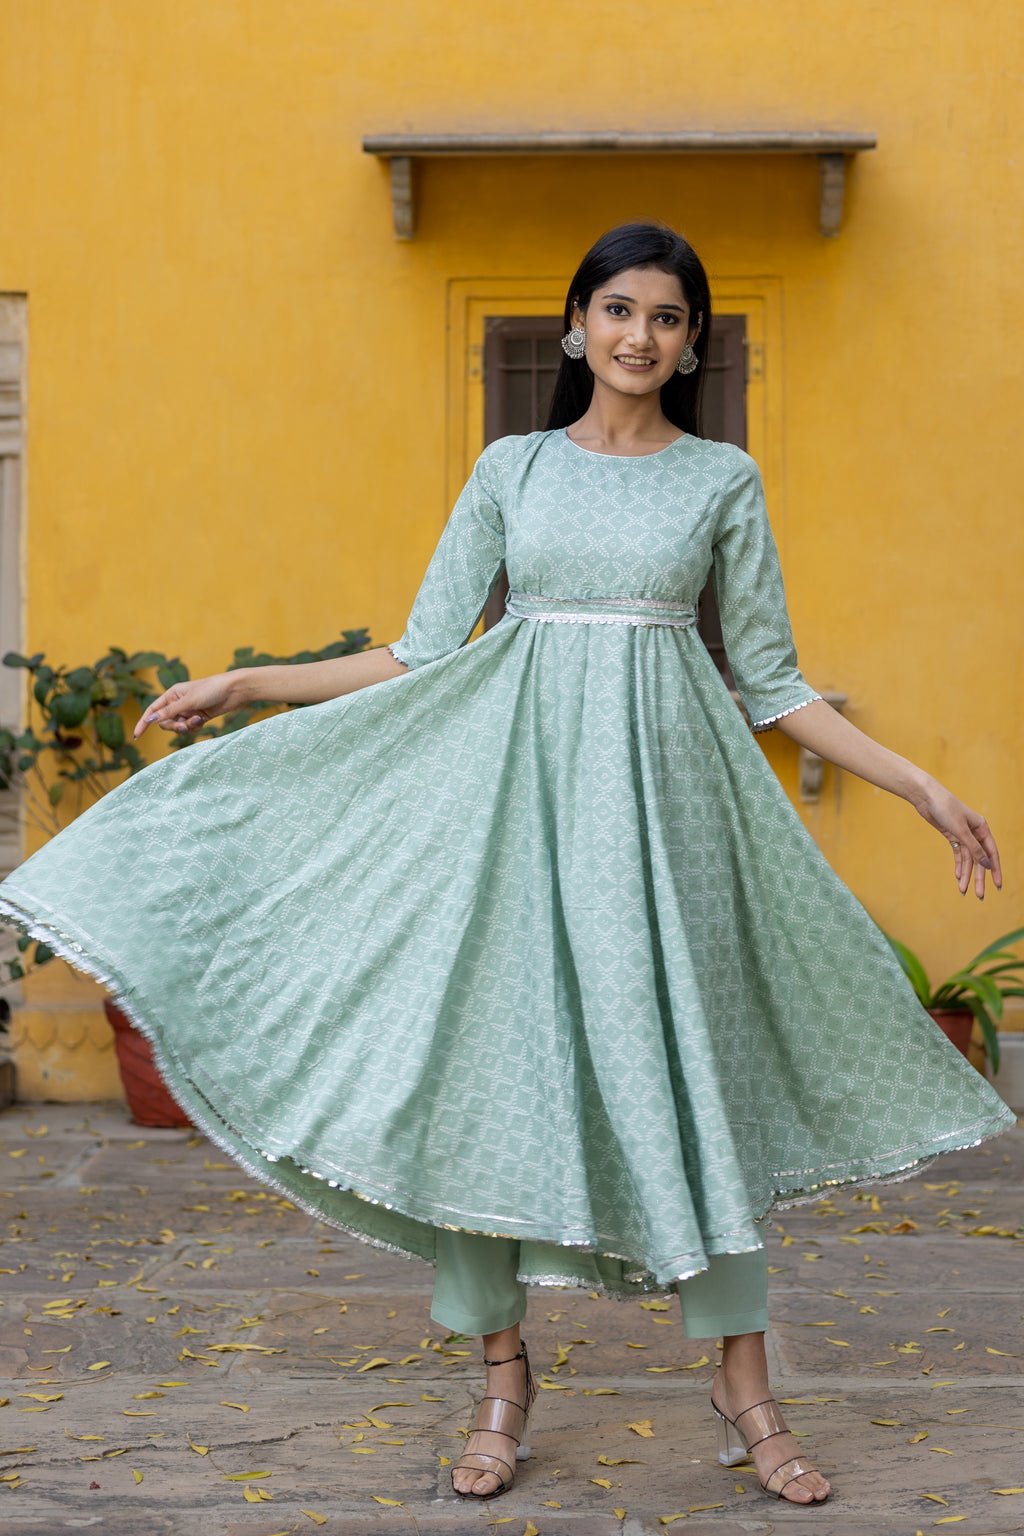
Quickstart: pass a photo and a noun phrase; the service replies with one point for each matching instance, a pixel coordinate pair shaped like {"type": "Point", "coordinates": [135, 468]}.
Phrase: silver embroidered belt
{"type": "Point", "coordinates": [639, 611]}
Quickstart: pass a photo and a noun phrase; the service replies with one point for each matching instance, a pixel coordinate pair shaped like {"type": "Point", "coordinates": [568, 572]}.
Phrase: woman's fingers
{"type": "Point", "coordinates": [974, 853]}
{"type": "Point", "coordinates": [988, 843]}
{"type": "Point", "coordinates": [176, 710]}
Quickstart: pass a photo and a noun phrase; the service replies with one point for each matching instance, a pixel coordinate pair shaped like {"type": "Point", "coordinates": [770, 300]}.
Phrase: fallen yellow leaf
{"type": "Point", "coordinates": [618, 1461]}
{"type": "Point", "coordinates": [81, 1437]}
{"type": "Point", "coordinates": [1006, 1490]}
{"type": "Point", "coordinates": [396, 1503]}
{"type": "Point", "coordinates": [98, 1365]}
{"type": "Point", "coordinates": [240, 1406]}
{"type": "Point", "coordinates": [139, 1397]}
{"type": "Point", "coordinates": [935, 1498]}
{"type": "Point", "coordinates": [642, 1427]}
{"type": "Point", "coordinates": [311, 1515]}
{"type": "Point", "coordinates": [668, 1519]}
{"type": "Point", "coordinates": [43, 1397]}
{"type": "Point", "coordinates": [655, 1306]}
{"type": "Point", "coordinates": [602, 1482]}
{"type": "Point", "coordinates": [372, 1364]}
{"type": "Point", "coordinates": [843, 1344]}
{"type": "Point", "coordinates": [137, 1475]}
{"type": "Point", "coordinates": [889, 1423]}
{"type": "Point", "coordinates": [550, 1504]}
{"type": "Point", "coordinates": [695, 1365]}
{"type": "Point", "coordinates": [922, 1434]}
{"type": "Point", "coordinates": [200, 1450]}
{"type": "Point", "coordinates": [531, 1529]}
{"type": "Point", "coordinates": [600, 1392]}
{"type": "Point", "coordinates": [696, 1508]}
{"type": "Point", "coordinates": [445, 1461]}
{"type": "Point", "coordinates": [950, 1519]}
{"type": "Point", "coordinates": [941, 1450]}
{"type": "Point", "coordinates": [990, 1351]}
{"type": "Point", "coordinates": [620, 1514]}
{"type": "Point", "coordinates": [243, 1477]}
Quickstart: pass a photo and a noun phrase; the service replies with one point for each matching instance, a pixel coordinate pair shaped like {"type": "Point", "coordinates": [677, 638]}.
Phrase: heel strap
{"type": "Point", "coordinates": [521, 1356]}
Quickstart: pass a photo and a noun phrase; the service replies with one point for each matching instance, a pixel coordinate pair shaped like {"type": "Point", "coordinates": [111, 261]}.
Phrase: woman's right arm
{"type": "Point", "coordinates": [187, 706]}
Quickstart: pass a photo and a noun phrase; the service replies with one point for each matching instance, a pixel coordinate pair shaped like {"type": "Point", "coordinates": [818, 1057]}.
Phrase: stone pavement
{"type": "Point", "coordinates": [183, 1352]}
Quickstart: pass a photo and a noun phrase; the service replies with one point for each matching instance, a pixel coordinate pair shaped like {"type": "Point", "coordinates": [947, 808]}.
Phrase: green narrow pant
{"type": "Point", "coordinates": [476, 1289]}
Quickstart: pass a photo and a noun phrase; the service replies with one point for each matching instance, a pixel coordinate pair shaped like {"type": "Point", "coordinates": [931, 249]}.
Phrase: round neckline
{"type": "Point", "coordinates": [624, 458]}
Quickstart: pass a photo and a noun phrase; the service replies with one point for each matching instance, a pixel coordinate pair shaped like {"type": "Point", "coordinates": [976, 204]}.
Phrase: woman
{"type": "Point", "coordinates": [516, 961]}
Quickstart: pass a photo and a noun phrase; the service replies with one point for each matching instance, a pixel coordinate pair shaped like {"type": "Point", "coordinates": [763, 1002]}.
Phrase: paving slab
{"type": "Point", "coordinates": [183, 1352]}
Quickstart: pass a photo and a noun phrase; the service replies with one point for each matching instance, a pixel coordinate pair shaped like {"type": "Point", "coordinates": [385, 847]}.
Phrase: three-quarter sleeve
{"type": "Point", "coordinates": [463, 571]}
{"type": "Point", "coordinates": [752, 602]}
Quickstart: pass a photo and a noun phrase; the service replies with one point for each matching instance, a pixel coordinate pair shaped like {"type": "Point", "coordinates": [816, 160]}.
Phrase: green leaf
{"type": "Point", "coordinates": [7, 740]}
{"type": "Point", "coordinates": [173, 672]}
{"type": "Point", "coordinates": [42, 954]}
{"type": "Point", "coordinates": [13, 659]}
{"type": "Point", "coordinates": [988, 1033]}
{"type": "Point", "coordinates": [1005, 942]}
{"type": "Point", "coordinates": [110, 729]}
{"type": "Point", "coordinates": [986, 991]}
{"type": "Point", "coordinates": [16, 970]}
{"type": "Point", "coordinates": [80, 680]}
{"type": "Point", "coordinates": [70, 709]}
{"type": "Point", "coordinates": [56, 792]}
{"type": "Point", "coordinates": [144, 661]}
{"type": "Point", "coordinates": [913, 970]}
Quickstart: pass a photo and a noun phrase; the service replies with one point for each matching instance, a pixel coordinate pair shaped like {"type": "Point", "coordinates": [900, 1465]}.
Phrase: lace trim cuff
{"type": "Point", "coordinates": [395, 654]}
{"type": "Point", "coordinates": [765, 725]}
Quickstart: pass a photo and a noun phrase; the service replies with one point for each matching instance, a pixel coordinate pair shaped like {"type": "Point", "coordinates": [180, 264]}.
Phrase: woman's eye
{"type": "Point", "coordinates": [616, 309]}
{"type": "Point", "coordinates": [672, 319]}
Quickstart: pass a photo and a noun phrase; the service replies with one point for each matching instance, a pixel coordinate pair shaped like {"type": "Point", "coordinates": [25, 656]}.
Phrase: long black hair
{"type": "Point", "coordinates": [642, 244]}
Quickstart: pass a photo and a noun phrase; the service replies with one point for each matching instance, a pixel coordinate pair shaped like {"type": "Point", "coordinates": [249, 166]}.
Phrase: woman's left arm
{"type": "Point", "coordinates": [819, 728]}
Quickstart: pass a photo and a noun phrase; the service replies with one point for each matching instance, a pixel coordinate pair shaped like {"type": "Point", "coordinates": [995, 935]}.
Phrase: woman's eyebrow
{"type": "Point", "coordinates": [628, 300]}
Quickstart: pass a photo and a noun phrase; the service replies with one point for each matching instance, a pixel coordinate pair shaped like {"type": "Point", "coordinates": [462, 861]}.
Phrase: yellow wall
{"type": "Point", "coordinates": [242, 409]}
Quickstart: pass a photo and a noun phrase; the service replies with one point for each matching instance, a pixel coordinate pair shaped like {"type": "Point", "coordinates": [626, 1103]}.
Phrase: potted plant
{"type": "Point", "coordinates": [74, 748]}
{"type": "Point", "coordinates": [976, 991]}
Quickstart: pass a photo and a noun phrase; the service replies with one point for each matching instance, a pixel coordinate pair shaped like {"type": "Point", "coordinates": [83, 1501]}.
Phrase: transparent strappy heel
{"type": "Point", "coordinates": [734, 1447]}
{"type": "Point", "coordinates": [500, 1416]}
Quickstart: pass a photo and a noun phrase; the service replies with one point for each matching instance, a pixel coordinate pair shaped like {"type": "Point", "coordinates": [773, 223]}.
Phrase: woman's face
{"type": "Point", "coordinates": [636, 327]}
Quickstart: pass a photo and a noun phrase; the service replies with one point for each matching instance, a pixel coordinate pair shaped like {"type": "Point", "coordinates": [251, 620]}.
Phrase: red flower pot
{"type": "Point", "coordinates": [956, 1024]}
{"type": "Point", "coordinates": [148, 1099]}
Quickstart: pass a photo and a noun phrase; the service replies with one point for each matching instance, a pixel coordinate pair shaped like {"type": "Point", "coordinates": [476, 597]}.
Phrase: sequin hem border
{"type": "Point", "coordinates": [74, 954]}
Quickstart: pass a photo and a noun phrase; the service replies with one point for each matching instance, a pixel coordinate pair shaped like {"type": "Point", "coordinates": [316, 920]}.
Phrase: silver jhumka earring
{"type": "Point", "coordinates": [575, 343]}
{"type": "Point", "coordinates": [688, 360]}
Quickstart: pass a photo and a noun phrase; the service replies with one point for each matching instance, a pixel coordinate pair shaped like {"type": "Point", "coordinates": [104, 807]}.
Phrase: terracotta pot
{"type": "Point", "coordinates": [148, 1099]}
{"type": "Point", "coordinates": [956, 1024]}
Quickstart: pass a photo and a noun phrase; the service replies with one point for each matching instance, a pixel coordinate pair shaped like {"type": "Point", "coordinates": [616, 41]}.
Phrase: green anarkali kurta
{"type": "Point", "coordinates": [528, 940]}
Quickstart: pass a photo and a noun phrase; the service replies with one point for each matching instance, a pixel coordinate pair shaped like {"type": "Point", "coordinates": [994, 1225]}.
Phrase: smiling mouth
{"type": "Point", "coordinates": [637, 363]}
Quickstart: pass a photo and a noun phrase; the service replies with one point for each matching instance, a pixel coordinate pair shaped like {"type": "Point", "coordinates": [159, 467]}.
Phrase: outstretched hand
{"type": "Point", "coordinates": [187, 706]}
{"type": "Point", "coordinates": [974, 847]}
